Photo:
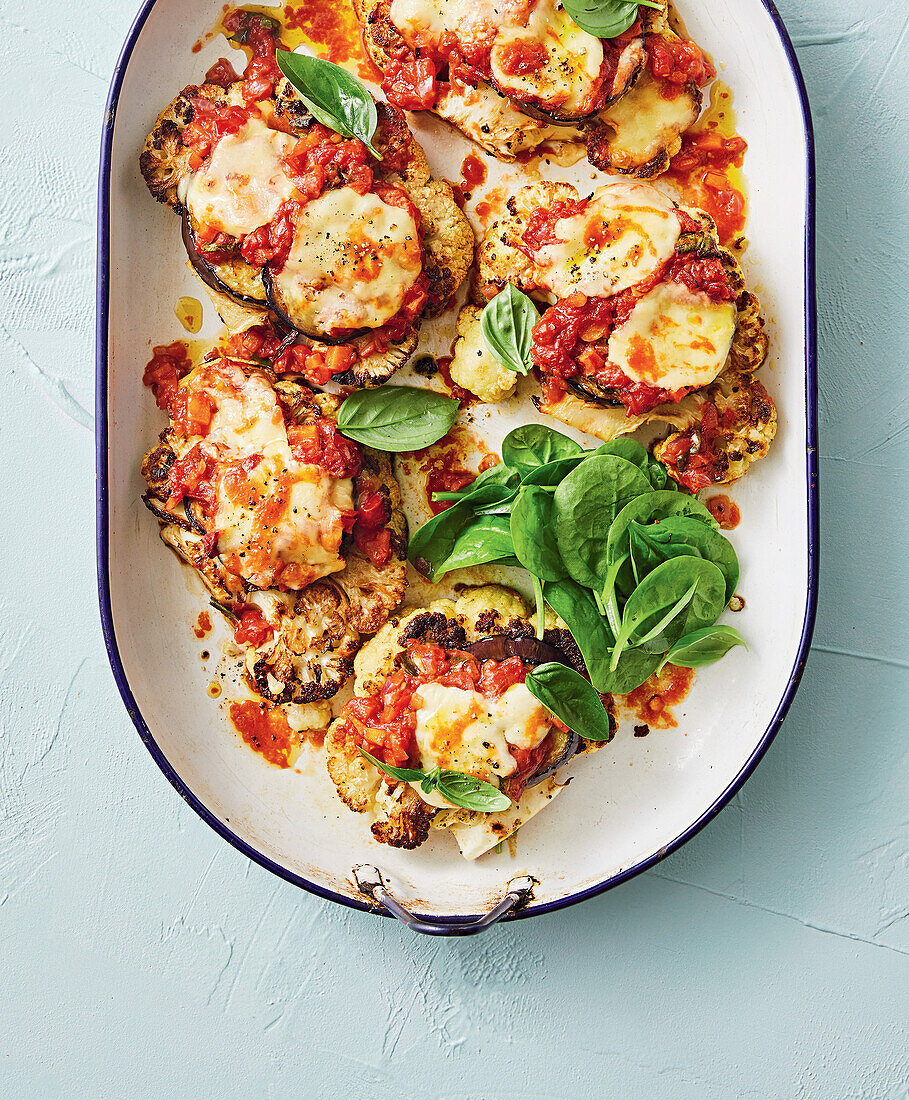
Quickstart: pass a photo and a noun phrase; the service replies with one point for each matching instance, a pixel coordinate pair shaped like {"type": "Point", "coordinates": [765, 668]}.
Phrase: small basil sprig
{"type": "Point", "coordinates": [572, 699]}
{"type": "Point", "coordinates": [459, 789]}
{"type": "Point", "coordinates": [334, 97]}
{"type": "Point", "coordinates": [507, 325]}
{"type": "Point", "coordinates": [397, 418]}
{"type": "Point", "coordinates": [225, 610]}
{"type": "Point", "coordinates": [606, 18]}
{"type": "Point", "coordinates": [703, 647]}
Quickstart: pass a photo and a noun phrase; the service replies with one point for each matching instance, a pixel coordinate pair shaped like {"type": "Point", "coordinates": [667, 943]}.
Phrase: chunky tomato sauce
{"type": "Point", "coordinates": [415, 78]}
{"type": "Point", "coordinates": [675, 63]}
{"type": "Point", "coordinates": [265, 729]}
{"type": "Point", "coordinates": [168, 364]}
{"type": "Point", "coordinates": [571, 338]}
{"type": "Point", "coordinates": [651, 701]}
{"type": "Point", "coordinates": [707, 169]}
{"type": "Point", "coordinates": [384, 723]}
{"type": "Point", "coordinates": [694, 457]}
{"type": "Point", "coordinates": [724, 511]}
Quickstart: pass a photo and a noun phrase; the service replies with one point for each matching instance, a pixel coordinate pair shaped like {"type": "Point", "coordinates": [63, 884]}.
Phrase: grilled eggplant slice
{"type": "Point", "coordinates": [234, 277]}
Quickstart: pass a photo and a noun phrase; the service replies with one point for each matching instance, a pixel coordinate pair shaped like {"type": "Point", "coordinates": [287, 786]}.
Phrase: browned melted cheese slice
{"type": "Point", "coordinates": [278, 520]}
{"type": "Point", "coordinates": [353, 259]}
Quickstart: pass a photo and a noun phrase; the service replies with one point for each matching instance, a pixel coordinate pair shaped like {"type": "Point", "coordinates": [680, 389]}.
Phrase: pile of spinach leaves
{"type": "Point", "coordinates": [635, 567]}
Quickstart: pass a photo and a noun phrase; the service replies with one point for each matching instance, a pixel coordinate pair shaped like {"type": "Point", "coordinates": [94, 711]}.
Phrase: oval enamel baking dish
{"type": "Point", "coordinates": [630, 804]}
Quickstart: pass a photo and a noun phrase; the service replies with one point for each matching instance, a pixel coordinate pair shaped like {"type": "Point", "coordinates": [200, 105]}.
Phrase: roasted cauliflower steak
{"type": "Point", "coordinates": [316, 630]}
{"type": "Point", "coordinates": [401, 818]}
{"type": "Point", "coordinates": [583, 406]}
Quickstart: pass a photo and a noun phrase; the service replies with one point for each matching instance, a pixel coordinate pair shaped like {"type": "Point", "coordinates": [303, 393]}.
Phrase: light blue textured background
{"type": "Point", "coordinates": [141, 956]}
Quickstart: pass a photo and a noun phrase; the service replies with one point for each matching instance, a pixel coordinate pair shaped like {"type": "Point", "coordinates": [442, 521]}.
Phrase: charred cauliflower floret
{"type": "Point", "coordinates": [402, 817]}
{"type": "Point", "coordinates": [302, 643]}
{"type": "Point", "coordinates": [434, 254]}
{"type": "Point", "coordinates": [731, 427]}
{"type": "Point", "coordinates": [473, 366]}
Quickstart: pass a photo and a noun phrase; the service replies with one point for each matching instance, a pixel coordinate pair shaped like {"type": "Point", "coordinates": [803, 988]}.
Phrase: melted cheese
{"type": "Point", "coordinates": [243, 183]}
{"type": "Point", "coordinates": [278, 520]}
{"type": "Point", "coordinates": [466, 732]}
{"type": "Point", "coordinates": [623, 235]}
{"type": "Point", "coordinates": [567, 81]}
{"type": "Point", "coordinates": [674, 338]}
{"type": "Point", "coordinates": [645, 122]}
{"type": "Point", "coordinates": [353, 259]}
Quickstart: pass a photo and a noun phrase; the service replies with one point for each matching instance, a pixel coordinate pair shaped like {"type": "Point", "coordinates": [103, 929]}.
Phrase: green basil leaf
{"type": "Point", "coordinates": [334, 96]}
{"type": "Point", "coordinates": [460, 789]}
{"type": "Point", "coordinates": [586, 503]}
{"type": "Point", "coordinates": [572, 699]}
{"type": "Point", "coordinates": [397, 418]}
{"type": "Point", "coordinates": [507, 323]}
{"type": "Point", "coordinates": [471, 793]}
{"type": "Point", "coordinates": [533, 536]}
{"type": "Point", "coordinates": [406, 775]}
{"type": "Point", "coordinates": [533, 445]}
{"type": "Point", "coordinates": [605, 18]}
{"type": "Point", "coordinates": [703, 647]}
{"type": "Point", "coordinates": [483, 541]}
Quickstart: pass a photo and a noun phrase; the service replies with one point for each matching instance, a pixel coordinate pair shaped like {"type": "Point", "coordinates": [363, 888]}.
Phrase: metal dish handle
{"type": "Point", "coordinates": [369, 882]}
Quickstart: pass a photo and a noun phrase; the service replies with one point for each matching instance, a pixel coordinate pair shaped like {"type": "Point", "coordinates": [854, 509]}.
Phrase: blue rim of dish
{"type": "Point", "coordinates": [447, 924]}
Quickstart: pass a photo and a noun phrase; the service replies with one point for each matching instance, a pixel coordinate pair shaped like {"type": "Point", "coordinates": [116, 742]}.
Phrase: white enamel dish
{"type": "Point", "coordinates": [638, 798]}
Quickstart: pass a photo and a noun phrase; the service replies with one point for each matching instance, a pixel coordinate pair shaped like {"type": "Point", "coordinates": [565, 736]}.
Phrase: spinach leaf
{"type": "Point", "coordinates": [496, 485]}
{"type": "Point", "coordinates": [507, 323]}
{"type": "Point", "coordinates": [533, 445]}
{"type": "Point", "coordinates": [636, 453]}
{"type": "Point", "coordinates": [681, 595]}
{"type": "Point", "coordinates": [703, 646]}
{"type": "Point", "coordinates": [334, 97]}
{"type": "Point", "coordinates": [572, 699]}
{"type": "Point", "coordinates": [487, 539]}
{"type": "Point", "coordinates": [551, 474]}
{"type": "Point", "coordinates": [461, 790]}
{"type": "Point", "coordinates": [586, 503]}
{"type": "Point", "coordinates": [606, 18]}
{"type": "Point", "coordinates": [397, 418]}
{"type": "Point", "coordinates": [678, 535]}
{"type": "Point", "coordinates": [577, 608]}
{"type": "Point", "coordinates": [648, 508]}
{"type": "Point", "coordinates": [432, 544]}
{"type": "Point", "coordinates": [533, 536]}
